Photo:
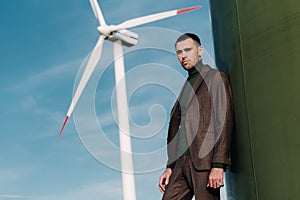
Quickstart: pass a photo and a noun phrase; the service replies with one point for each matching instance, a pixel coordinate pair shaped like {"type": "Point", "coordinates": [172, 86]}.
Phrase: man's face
{"type": "Point", "coordinates": [188, 53]}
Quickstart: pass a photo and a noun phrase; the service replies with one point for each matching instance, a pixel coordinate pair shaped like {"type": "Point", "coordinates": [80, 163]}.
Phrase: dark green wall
{"type": "Point", "coordinates": [258, 43]}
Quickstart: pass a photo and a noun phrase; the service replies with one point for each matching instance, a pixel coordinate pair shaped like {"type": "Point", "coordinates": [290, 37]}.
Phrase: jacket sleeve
{"type": "Point", "coordinates": [221, 96]}
{"type": "Point", "coordinates": [173, 136]}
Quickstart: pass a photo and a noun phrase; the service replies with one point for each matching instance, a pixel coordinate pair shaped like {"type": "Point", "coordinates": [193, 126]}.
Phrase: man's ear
{"type": "Point", "coordinates": [200, 50]}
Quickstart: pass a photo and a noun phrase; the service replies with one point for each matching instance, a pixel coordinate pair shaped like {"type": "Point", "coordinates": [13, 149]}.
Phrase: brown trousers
{"type": "Point", "coordinates": [186, 181]}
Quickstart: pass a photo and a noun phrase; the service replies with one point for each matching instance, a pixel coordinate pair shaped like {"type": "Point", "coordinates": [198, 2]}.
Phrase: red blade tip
{"type": "Point", "coordinates": [188, 9]}
{"type": "Point", "coordinates": [62, 128]}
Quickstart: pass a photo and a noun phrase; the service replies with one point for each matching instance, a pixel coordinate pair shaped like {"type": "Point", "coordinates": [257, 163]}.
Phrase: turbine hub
{"type": "Point", "coordinates": [128, 38]}
{"type": "Point", "coordinates": [106, 30]}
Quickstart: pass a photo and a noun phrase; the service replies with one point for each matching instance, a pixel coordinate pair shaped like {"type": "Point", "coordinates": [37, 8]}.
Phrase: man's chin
{"type": "Point", "coordinates": [184, 64]}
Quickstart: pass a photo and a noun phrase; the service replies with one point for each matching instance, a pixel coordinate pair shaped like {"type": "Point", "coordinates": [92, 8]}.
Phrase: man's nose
{"type": "Point", "coordinates": [183, 54]}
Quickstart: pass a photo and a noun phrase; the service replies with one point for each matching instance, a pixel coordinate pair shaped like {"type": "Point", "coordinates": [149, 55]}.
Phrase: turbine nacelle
{"type": "Point", "coordinates": [127, 37]}
{"type": "Point", "coordinates": [106, 30]}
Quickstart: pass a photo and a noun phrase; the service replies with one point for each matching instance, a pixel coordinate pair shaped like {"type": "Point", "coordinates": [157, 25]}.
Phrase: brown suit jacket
{"type": "Point", "coordinates": [208, 121]}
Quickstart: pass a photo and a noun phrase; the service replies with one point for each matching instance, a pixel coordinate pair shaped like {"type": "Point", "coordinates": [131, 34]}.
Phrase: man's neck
{"type": "Point", "coordinates": [195, 69]}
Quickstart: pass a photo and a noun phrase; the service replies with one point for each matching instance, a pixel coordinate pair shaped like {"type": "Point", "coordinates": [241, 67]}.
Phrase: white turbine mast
{"type": "Point", "coordinates": [119, 35]}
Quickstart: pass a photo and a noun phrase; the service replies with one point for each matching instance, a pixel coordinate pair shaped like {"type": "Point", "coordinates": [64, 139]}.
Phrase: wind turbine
{"type": "Point", "coordinates": [119, 35]}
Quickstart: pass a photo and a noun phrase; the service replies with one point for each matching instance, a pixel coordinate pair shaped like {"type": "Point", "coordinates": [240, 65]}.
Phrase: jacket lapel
{"type": "Point", "coordinates": [202, 74]}
{"type": "Point", "coordinates": [177, 104]}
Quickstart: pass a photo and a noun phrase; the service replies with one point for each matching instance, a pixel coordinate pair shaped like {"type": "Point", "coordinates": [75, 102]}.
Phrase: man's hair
{"type": "Point", "coordinates": [188, 35]}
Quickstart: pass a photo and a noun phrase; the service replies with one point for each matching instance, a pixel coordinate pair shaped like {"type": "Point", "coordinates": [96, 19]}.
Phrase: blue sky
{"type": "Point", "coordinates": [43, 48]}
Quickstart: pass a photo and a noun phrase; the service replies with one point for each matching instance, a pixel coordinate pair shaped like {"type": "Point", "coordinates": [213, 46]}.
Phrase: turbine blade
{"type": "Point", "coordinates": [151, 18]}
{"type": "Point", "coordinates": [97, 12]}
{"type": "Point", "coordinates": [63, 127]}
{"type": "Point", "coordinates": [92, 63]}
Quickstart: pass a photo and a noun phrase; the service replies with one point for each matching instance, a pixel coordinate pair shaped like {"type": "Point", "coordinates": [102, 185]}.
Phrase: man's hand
{"type": "Point", "coordinates": [216, 178]}
{"type": "Point", "coordinates": [164, 179]}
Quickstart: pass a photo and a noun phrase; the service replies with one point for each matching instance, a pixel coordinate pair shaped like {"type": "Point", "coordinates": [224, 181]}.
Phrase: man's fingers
{"type": "Point", "coordinates": [211, 182]}
{"type": "Point", "coordinates": [161, 189]}
{"type": "Point", "coordinates": [215, 184]}
{"type": "Point", "coordinates": [164, 180]}
{"type": "Point", "coordinates": [221, 183]}
{"type": "Point", "coordinates": [216, 178]}
{"type": "Point", "coordinates": [161, 179]}
{"type": "Point", "coordinates": [162, 183]}
{"type": "Point", "coordinates": [167, 179]}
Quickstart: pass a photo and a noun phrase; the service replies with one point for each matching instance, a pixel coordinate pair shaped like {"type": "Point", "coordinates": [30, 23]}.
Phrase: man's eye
{"type": "Point", "coordinates": [187, 49]}
{"type": "Point", "coordinates": [179, 51]}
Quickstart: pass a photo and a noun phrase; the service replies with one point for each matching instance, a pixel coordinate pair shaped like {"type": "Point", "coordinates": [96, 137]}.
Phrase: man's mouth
{"type": "Point", "coordinates": [185, 62]}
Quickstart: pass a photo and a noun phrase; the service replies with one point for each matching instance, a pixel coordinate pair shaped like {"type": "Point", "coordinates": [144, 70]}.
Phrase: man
{"type": "Point", "coordinates": [200, 129]}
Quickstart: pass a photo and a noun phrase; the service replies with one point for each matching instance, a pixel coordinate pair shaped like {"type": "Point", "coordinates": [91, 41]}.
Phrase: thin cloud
{"type": "Point", "coordinates": [53, 74]}
{"type": "Point", "coordinates": [109, 190]}
{"type": "Point", "coordinates": [13, 196]}
{"type": "Point", "coordinates": [13, 174]}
